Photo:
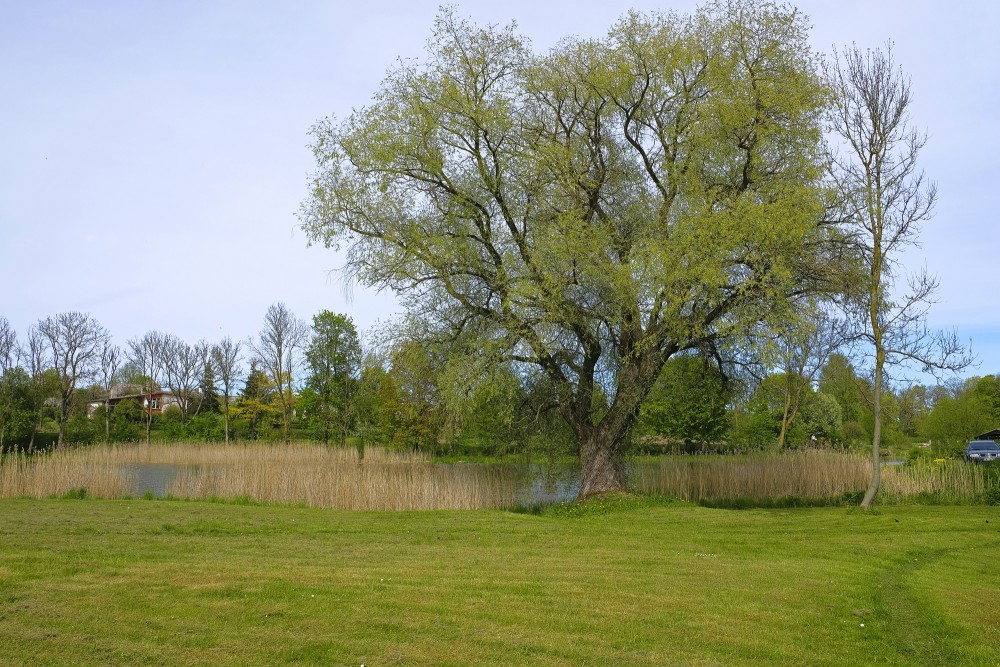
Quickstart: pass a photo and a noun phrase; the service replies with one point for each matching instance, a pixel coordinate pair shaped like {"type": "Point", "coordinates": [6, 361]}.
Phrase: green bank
{"type": "Point", "coordinates": [139, 582]}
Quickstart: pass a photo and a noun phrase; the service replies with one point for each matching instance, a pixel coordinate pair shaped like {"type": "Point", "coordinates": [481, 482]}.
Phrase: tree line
{"type": "Point", "coordinates": [300, 381]}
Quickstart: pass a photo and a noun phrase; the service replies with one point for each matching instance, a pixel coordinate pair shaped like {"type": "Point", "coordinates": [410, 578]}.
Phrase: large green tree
{"type": "Point", "coordinates": [333, 360]}
{"type": "Point", "coordinates": [591, 210]}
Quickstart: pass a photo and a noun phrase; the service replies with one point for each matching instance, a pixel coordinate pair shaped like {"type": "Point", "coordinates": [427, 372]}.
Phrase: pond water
{"type": "Point", "coordinates": [535, 483]}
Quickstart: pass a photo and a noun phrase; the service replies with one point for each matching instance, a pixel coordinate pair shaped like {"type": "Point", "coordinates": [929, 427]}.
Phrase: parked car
{"type": "Point", "coordinates": [978, 451]}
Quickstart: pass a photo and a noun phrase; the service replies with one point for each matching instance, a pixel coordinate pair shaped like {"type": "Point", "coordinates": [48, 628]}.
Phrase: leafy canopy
{"type": "Point", "coordinates": [591, 210]}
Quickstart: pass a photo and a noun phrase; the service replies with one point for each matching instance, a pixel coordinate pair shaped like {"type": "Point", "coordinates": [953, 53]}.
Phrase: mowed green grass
{"type": "Point", "coordinates": [143, 582]}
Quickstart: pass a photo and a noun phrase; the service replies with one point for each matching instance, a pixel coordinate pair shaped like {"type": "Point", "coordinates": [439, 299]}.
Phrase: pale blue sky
{"type": "Point", "coordinates": [153, 154]}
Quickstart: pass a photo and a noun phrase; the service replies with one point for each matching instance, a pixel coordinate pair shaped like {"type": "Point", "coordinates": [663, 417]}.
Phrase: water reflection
{"type": "Point", "coordinates": [535, 483]}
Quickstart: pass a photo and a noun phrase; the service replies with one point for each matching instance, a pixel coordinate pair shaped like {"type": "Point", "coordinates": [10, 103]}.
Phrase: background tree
{"type": "Point", "coordinates": [74, 342]}
{"type": "Point", "coordinates": [915, 403]}
{"type": "Point", "coordinates": [208, 394]}
{"type": "Point", "coordinates": [8, 361]}
{"type": "Point", "coordinates": [227, 356]}
{"type": "Point", "coordinates": [276, 346]}
{"type": "Point", "coordinates": [803, 350]}
{"type": "Point", "coordinates": [109, 361]}
{"type": "Point", "coordinates": [44, 380]}
{"type": "Point", "coordinates": [146, 356]}
{"type": "Point", "coordinates": [255, 405]}
{"type": "Point", "coordinates": [420, 408]}
{"type": "Point", "coordinates": [688, 401]}
{"type": "Point", "coordinates": [884, 197]}
{"type": "Point", "coordinates": [852, 393]}
{"type": "Point", "coordinates": [376, 403]}
{"type": "Point", "coordinates": [333, 358]}
{"type": "Point", "coordinates": [590, 211]}
{"type": "Point", "coordinates": [183, 369]}
{"type": "Point", "coordinates": [959, 414]}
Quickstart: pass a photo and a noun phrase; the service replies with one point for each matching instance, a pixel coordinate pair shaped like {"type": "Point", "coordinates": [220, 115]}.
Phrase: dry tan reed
{"type": "Point", "coordinates": [382, 480]}
{"type": "Point", "coordinates": [948, 481]}
{"type": "Point", "coordinates": [807, 475]}
{"type": "Point", "coordinates": [300, 473]}
{"type": "Point", "coordinates": [59, 473]}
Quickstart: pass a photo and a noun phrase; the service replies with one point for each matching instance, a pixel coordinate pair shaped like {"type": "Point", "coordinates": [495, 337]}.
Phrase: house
{"type": "Point", "coordinates": [156, 402]}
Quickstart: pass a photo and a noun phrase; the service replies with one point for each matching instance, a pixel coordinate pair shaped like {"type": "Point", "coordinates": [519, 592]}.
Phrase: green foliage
{"type": "Point", "coordinates": [822, 417]}
{"type": "Point", "coordinates": [209, 401]}
{"type": "Point", "coordinates": [17, 412]}
{"type": "Point", "coordinates": [839, 380]}
{"type": "Point", "coordinates": [688, 402]}
{"type": "Point", "coordinates": [127, 421]}
{"type": "Point", "coordinates": [959, 417]}
{"type": "Point", "coordinates": [334, 360]}
{"type": "Point", "coordinates": [420, 415]}
{"type": "Point", "coordinates": [591, 210]}
{"type": "Point", "coordinates": [255, 411]}
{"type": "Point", "coordinates": [377, 404]}
{"type": "Point", "coordinates": [83, 430]}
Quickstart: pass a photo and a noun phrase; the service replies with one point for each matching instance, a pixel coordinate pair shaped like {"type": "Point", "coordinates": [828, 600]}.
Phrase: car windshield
{"type": "Point", "coordinates": [984, 447]}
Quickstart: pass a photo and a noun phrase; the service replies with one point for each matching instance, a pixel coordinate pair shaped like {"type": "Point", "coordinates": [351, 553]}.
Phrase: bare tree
{"type": "Point", "coordinates": [8, 360]}
{"type": "Point", "coordinates": [74, 341]}
{"type": "Point", "coordinates": [110, 361]}
{"type": "Point", "coordinates": [146, 354]}
{"type": "Point", "coordinates": [33, 355]}
{"type": "Point", "coordinates": [275, 347]}
{"type": "Point", "coordinates": [8, 345]}
{"type": "Point", "coordinates": [181, 366]}
{"type": "Point", "coordinates": [884, 198]}
{"type": "Point", "coordinates": [227, 357]}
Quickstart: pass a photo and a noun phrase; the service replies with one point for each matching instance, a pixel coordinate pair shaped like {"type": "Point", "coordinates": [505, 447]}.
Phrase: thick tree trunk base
{"type": "Point", "coordinates": [602, 469]}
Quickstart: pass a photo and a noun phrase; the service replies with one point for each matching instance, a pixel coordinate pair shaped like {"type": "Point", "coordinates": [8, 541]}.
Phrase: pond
{"type": "Point", "coordinates": [536, 483]}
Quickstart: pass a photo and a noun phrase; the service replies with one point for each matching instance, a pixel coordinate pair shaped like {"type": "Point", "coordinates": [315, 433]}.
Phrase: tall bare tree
{"type": "Point", "coordinates": [282, 336]}
{"type": "Point", "coordinates": [43, 378]}
{"type": "Point", "coordinates": [884, 197]}
{"type": "Point", "coordinates": [227, 356]}
{"type": "Point", "coordinates": [146, 354]}
{"type": "Point", "coordinates": [74, 342]}
{"type": "Point", "coordinates": [110, 362]}
{"type": "Point", "coordinates": [182, 370]}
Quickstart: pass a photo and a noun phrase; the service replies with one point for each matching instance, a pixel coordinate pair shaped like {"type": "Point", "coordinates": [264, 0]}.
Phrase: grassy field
{"type": "Point", "coordinates": [142, 582]}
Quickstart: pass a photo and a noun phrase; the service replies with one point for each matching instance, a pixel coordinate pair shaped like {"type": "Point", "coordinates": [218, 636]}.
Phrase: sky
{"type": "Point", "coordinates": [153, 155]}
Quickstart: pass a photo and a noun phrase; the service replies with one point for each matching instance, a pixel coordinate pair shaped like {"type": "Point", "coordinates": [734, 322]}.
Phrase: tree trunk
{"type": "Point", "coordinates": [876, 437]}
{"type": "Point", "coordinates": [63, 418]}
{"type": "Point", "coordinates": [602, 466]}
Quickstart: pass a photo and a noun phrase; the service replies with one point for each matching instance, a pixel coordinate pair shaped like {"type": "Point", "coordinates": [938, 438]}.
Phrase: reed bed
{"type": "Point", "coordinates": [337, 478]}
{"type": "Point", "coordinates": [810, 476]}
{"type": "Point", "coordinates": [308, 474]}
{"type": "Point", "coordinates": [947, 481]}
{"type": "Point", "coordinates": [59, 473]}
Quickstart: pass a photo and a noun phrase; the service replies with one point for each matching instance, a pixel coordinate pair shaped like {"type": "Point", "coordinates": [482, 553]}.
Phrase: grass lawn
{"type": "Point", "coordinates": [92, 582]}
